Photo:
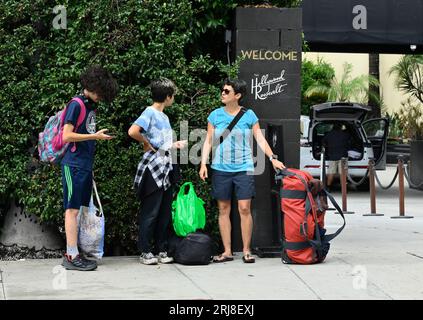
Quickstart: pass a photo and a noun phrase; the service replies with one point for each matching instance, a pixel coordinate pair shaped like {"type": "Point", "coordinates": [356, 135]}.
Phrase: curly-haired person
{"type": "Point", "coordinates": [77, 164]}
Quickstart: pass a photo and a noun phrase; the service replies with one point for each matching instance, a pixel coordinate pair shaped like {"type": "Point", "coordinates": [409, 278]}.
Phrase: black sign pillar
{"type": "Point", "coordinates": [269, 41]}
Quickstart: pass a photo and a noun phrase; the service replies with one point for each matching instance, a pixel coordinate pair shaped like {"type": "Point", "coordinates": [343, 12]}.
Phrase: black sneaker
{"type": "Point", "coordinates": [78, 263]}
{"type": "Point", "coordinates": [87, 258]}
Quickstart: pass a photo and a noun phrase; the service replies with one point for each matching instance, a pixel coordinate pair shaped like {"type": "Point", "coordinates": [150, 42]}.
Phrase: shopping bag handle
{"type": "Point", "coordinates": [100, 213]}
{"type": "Point", "coordinates": [183, 188]}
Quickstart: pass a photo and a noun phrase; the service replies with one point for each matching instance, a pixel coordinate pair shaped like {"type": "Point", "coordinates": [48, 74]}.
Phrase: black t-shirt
{"type": "Point", "coordinates": [83, 157]}
{"type": "Point", "coordinates": [337, 143]}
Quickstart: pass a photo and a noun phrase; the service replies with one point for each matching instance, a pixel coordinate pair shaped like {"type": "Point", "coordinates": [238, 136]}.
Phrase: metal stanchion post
{"type": "Point", "coordinates": [323, 167]}
{"type": "Point", "coordinates": [372, 191]}
{"type": "Point", "coordinates": [401, 190]}
{"type": "Point", "coordinates": [344, 173]}
{"type": "Point", "coordinates": [323, 172]}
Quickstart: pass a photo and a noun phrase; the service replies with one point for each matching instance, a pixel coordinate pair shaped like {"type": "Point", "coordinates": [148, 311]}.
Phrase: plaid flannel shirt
{"type": "Point", "coordinates": [159, 163]}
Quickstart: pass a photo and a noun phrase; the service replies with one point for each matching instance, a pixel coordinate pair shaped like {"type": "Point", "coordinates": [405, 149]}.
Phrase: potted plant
{"type": "Point", "coordinates": [410, 120]}
{"type": "Point", "coordinates": [409, 77]}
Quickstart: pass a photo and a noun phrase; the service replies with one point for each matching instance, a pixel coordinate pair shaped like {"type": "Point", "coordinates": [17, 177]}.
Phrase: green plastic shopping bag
{"type": "Point", "coordinates": [188, 212]}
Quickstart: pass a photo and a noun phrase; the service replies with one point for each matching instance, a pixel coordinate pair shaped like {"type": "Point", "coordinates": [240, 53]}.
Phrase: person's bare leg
{"type": "Point", "coordinates": [244, 208]}
{"type": "Point", "coordinates": [225, 225]}
{"type": "Point", "coordinates": [329, 180]}
{"type": "Point", "coordinates": [71, 228]}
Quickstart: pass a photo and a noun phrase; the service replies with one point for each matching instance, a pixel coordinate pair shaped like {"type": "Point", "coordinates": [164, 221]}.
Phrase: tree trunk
{"type": "Point", "coordinates": [374, 71]}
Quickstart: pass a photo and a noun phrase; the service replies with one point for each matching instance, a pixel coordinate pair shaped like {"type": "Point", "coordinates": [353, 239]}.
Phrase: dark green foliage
{"type": "Point", "coordinates": [136, 41]}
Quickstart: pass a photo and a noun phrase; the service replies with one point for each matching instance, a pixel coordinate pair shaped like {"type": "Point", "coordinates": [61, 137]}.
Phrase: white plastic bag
{"type": "Point", "coordinates": [91, 228]}
{"type": "Point", "coordinates": [354, 154]}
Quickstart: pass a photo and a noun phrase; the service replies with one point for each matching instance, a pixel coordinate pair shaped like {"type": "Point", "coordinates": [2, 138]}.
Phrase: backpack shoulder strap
{"type": "Point", "coordinates": [82, 114]}
{"type": "Point", "coordinates": [329, 237]}
{"type": "Point", "coordinates": [81, 117]}
{"type": "Point", "coordinates": [228, 130]}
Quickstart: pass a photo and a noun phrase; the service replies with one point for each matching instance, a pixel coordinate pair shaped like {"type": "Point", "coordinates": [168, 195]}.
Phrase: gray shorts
{"type": "Point", "coordinates": [334, 167]}
{"type": "Point", "coordinates": [223, 183]}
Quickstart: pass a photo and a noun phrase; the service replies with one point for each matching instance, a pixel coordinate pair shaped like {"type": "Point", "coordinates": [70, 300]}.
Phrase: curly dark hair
{"type": "Point", "coordinates": [100, 81]}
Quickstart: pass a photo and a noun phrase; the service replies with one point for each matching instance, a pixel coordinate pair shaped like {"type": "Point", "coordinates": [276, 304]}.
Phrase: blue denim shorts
{"type": "Point", "coordinates": [223, 184]}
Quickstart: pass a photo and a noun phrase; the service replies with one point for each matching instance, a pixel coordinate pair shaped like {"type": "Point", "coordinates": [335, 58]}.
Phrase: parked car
{"type": "Point", "coordinates": [369, 137]}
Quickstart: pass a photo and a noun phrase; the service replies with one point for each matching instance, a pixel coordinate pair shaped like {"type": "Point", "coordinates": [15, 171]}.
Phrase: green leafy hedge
{"type": "Point", "coordinates": [137, 41]}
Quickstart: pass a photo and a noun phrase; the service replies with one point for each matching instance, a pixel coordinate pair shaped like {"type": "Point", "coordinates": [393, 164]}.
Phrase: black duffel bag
{"type": "Point", "coordinates": [194, 249]}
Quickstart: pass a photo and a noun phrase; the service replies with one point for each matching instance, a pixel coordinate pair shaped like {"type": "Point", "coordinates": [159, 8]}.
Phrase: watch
{"type": "Point", "coordinates": [273, 156]}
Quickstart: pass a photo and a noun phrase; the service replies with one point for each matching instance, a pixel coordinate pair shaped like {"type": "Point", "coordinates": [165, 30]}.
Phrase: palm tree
{"type": "Point", "coordinates": [347, 89]}
{"type": "Point", "coordinates": [409, 75]}
{"type": "Point", "coordinates": [374, 71]}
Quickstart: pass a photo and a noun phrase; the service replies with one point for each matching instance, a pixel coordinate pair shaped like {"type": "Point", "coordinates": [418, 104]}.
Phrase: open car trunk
{"type": "Point", "coordinates": [339, 111]}
{"type": "Point", "coordinates": [356, 150]}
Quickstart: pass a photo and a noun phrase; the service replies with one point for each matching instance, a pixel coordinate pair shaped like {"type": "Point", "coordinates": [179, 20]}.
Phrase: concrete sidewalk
{"type": "Point", "coordinates": [373, 258]}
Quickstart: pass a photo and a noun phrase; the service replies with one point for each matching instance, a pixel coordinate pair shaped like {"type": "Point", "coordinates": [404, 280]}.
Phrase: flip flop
{"type": "Point", "coordinates": [222, 258]}
{"type": "Point", "coordinates": [248, 258]}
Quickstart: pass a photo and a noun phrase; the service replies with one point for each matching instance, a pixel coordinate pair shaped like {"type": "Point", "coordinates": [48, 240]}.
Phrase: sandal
{"type": "Point", "coordinates": [248, 258]}
{"type": "Point", "coordinates": [222, 258]}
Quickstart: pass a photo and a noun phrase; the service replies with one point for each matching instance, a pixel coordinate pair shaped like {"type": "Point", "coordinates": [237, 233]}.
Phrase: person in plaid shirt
{"type": "Point", "coordinates": [153, 130]}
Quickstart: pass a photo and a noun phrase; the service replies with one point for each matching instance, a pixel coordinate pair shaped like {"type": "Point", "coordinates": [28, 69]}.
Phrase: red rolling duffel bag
{"type": "Point", "coordinates": [303, 204]}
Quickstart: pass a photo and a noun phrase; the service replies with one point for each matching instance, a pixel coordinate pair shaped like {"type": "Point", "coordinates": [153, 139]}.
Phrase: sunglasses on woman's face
{"type": "Point", "coordinates": [226, 91]}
